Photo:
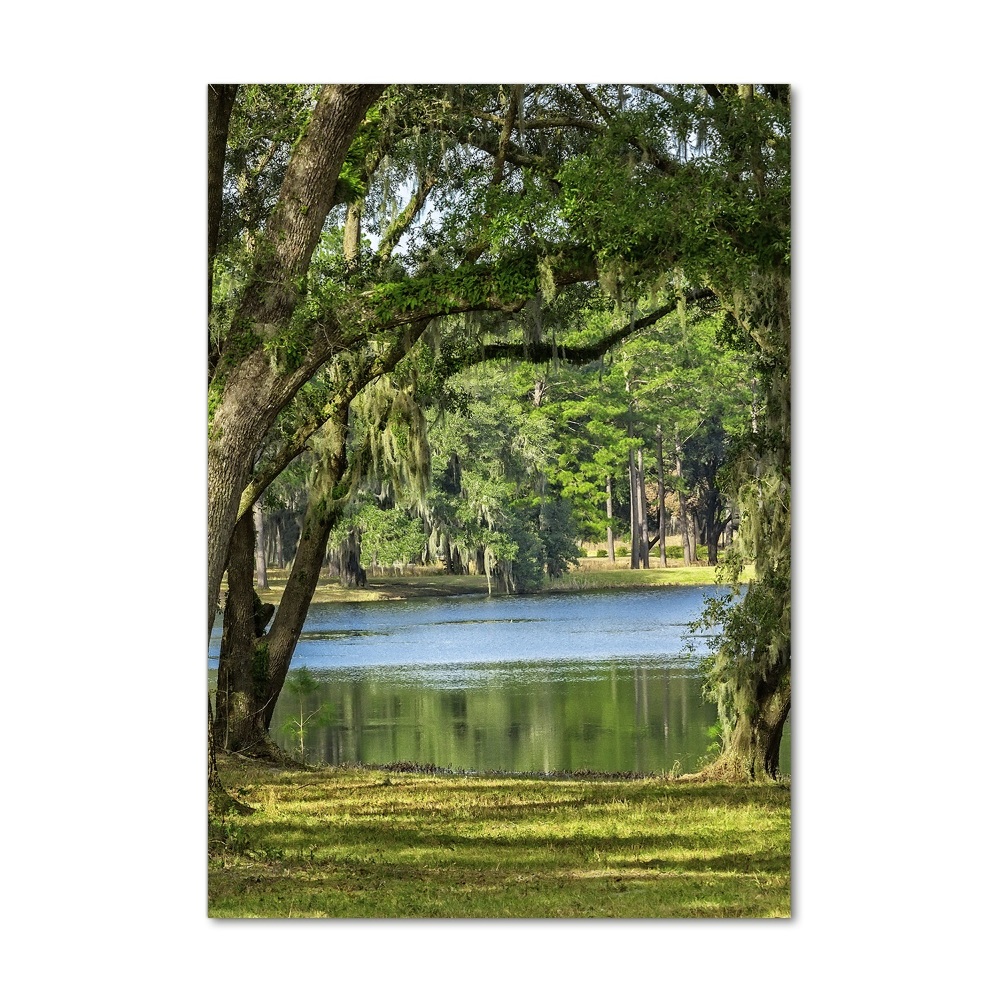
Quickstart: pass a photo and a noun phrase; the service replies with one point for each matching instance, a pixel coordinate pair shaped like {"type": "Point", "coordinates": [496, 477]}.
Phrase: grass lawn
{"type": "Point", "coordinates": [351, 842]}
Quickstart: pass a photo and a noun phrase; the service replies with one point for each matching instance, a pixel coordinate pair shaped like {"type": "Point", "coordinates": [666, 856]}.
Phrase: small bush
{"type": "Point", "coordinates": [674, 551]}
{"type": "Point", "coordinates": [601, 554]}
{"type": "Point", "coordinates": [622, 550]}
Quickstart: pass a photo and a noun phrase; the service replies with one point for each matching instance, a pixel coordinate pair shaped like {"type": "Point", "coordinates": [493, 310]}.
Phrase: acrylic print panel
{"type": "Point", "coordinates": [499, 467]}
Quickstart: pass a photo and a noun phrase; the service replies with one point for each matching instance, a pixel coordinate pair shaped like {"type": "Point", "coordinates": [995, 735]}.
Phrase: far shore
{"type": "Point", "coordinates": [424, 582]}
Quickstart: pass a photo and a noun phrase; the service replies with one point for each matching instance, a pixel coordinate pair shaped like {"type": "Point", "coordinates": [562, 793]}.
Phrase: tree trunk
{"type": "Point", "coordinates": [323, 510]}
{"type": "Point", "coordinates": [249, 393]}
{"type": "Point", "coordinates": [611, 530]}
{"type": "Point", "coordinates": [252, 667]}
{"type": "Point", "coordinates": [751, 675]}
{"type": "Point", "coordinates": [714, 534]}
{"type": "Point", "coordinates": [279, 544]}
{"type": "Point", "coordinates": [753, 741]}
{"type": "Point", "coordinates": [713, 524]}
{"type": "Point", "coordinates": [242, 684]}
{"type": "Point", "coordinates": [352, 573]}
{"type": "Point", "coordinates": [633, 501]}
{"type": "Point", "coordinates": [661, 505]}
{"type": "Point", "coordinates": [258, 523]}
{"type": "Point", "coordinates": [221, 98]}
{"type": "Point", "coordinates": [352, 231]}
{"type": "Point", "coordinates": [219, 800]}
{"type": "Point", "coordinates": [693, 532]}
{"type": "Point", "coordinates": [641, 513]}
{"type": "Point", "coordinates": [689, 553]}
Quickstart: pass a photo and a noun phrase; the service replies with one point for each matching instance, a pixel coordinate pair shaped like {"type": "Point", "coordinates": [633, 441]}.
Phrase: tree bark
{"type": "Point", "coordinates": [693, 531]}
{"type": "Point", "coordinates": [352, 232]}
{"type": "Point", "coordinates": [633, 510]}
{"type": "Point", "coordinates": [242, 682]}
{"type": "Point", "coordinates": [689, 553]}
{"type": "Point", "coordinates": [713, 526]}
{"type": "Point", "coordinates": [661, 505]}
{"type": "Point", "coordinates": [611, 530]}
{"type": "Point", "coordinates": [643, 524]}
{"type": "Point", "coordinates": [252, 667]}
{"type": "Point", "coordinates": [751, 676]}
{"type": "Point", "coordinates": [753, 741]}
{"type": "Point", "coordinates": [221, 98]}
{"type": "Point", "coordinates": [252, 393]}
{"type": "Point", "coordinates": [323, 510]}
{"type": "Point", "coordinates": [258, 524]}
{"type": "Point", "coordinates": [352, 573]}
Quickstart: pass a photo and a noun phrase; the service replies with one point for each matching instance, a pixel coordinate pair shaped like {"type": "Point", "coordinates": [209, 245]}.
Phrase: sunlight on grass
{"type": "Point", "coordinates": [351, 843]}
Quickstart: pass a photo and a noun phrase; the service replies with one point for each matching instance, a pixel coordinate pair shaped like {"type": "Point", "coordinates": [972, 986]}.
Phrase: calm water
{"type": "Point", "coordinates": [559, 682]}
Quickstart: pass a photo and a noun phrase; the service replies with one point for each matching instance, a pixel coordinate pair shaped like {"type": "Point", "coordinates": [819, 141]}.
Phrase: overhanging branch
{"type": "Point", "coordinates": [583, 355]}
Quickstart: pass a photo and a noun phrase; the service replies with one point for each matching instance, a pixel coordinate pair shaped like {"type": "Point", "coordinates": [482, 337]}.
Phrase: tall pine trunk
{"type": "Point", "coordinates": [611, 530]}
{"type": "Point", "coordinates": [641, 512]}
{"type": "Point", "coordinates": [633, 502]}
{"type": "Point", "coordinates": [661, 504]}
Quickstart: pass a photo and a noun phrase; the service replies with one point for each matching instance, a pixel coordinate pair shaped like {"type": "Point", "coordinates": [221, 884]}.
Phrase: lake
{"type": "Point", "coordinates": [597, 681]}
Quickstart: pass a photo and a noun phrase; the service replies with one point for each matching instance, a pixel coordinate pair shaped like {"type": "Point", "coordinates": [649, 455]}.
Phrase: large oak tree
{"type": "Point", "coordinates": [532, 188]}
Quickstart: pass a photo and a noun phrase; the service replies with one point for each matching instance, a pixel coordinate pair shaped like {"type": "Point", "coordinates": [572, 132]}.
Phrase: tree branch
{"type": "Point", "coordinates": [512, 154]}
{"type": "Point", "coordinates": [221, 98]}
{"type": "Point", "coordinates": [335, 404]}
{"type": "Point", "coordinates": [307, 194]}
{"type": "Point", "coordinates": [401, 223]}
{"type": "Point", "coordinates": [536, 124]}
{"type": "Point", "coordinates": [592, 100]}
{"type": "Point", "coordinates": [582, 355]}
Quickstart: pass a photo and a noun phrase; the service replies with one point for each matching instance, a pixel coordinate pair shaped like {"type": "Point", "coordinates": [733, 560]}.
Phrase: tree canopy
{"type": "Point", "coordinates": [350, 229]}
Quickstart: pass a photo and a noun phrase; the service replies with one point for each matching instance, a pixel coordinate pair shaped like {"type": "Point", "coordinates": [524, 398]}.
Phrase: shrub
{"type": "Point", "coordinates": [601, 554]}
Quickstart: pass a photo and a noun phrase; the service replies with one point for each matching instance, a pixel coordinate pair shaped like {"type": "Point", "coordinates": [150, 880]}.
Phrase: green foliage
{"type": "Point", "coordinates": [304, 686]}
{"type": "Point", "coordinates": [665, 190]}
{"type": "Point", "coordinates": [388, 535]}
{"type": "Point", "coordinates": [492, 493]}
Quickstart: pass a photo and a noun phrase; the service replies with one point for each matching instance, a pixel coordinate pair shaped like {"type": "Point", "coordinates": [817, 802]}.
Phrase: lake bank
{"type": "Point", "coordinates": [591, 574]}
{"type": "Point", "coordinates": [356, 842]}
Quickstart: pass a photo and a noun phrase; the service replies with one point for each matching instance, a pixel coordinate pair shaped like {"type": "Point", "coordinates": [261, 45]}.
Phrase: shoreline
{"type": "Point", "coordinates": [591, 575]}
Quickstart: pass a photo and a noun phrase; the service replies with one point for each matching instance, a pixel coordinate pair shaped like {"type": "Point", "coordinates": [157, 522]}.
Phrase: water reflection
{"type": "Point", "coordinates": [595, 681]}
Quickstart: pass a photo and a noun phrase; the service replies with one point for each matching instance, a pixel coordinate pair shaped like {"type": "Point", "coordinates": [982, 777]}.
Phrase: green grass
{"type": "Point", "coordinates": [360, 843]}
{"type": "Point", "coordinates": [598, 574]}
